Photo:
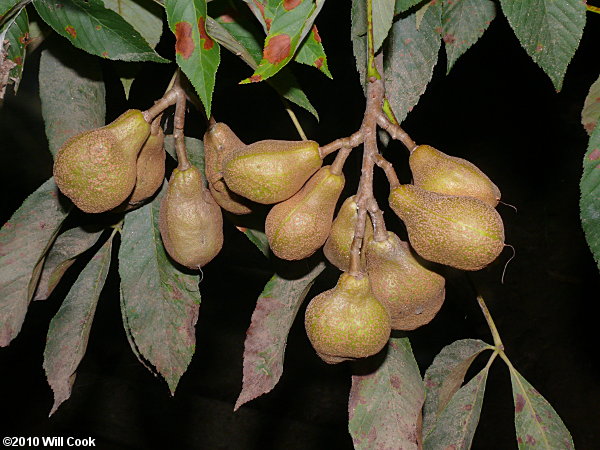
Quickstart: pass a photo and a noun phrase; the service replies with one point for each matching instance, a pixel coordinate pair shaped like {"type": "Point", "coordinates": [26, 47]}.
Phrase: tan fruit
{"type": "Point", "coordinates": [190, 222]}
{"type": "Point", "coordinates": [411, 293]}
{"type": "Point", "coordinates": [150, 168]}
{"type": "Point", "coordinates": [347, 322]}
{"type": "Point", "coordinates": [435, 171]}
{"type": "Point", "coordinates": [299, 226]}
{"type": "Point", "coordinates": [97, 169]}
{"type": "Point", "coordinates": [270, 171]}
{"type": "Point", "coordinates": [461, 232]}
{"type": "Point", "coordinates": [338, 244]}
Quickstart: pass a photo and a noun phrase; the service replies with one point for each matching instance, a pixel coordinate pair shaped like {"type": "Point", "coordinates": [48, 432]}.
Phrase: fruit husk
{"type": "Point", "coordinates": [299, 226]}
{"type": "Point", "coordinates": [347, 322]}
{"type": "Point", "coordinates": [410, 292]}
{"type": "Point", "coordinates": [461, 232]}
{"type": "Point", "coordinates": [150, 168]}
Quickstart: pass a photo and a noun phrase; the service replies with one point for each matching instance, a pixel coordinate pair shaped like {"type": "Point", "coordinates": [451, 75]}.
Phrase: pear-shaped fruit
{"type": "Point", "coordinates": [461, 232]}
{"type": "Point", "coordinates": [411, 293]}
{"type": "Point", "coordinates": [97, 169]}
{"type": "Point", "coordinates": [299, 226]}
{"type": "Point", "coordinates": [220, 140]}
{"type": "Point", "coordinates": [347, 322]}
{"type": "Point", "coordinates": [190, 222]}
{"type": "Point", "coordinates": [339, 242]}
{"type": "Point", "coordinates": [150, 168]}
{"type": "Point", "coordinates": [270, 171]}
{"type": "Point", "coordinates": [435, 171]}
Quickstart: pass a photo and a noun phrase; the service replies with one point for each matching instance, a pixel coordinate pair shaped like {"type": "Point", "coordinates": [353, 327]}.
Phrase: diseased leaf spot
{"type": "Point", "coordinates": [208, 42]}
{"type": "Point", "coordinates": [268, 23]}
{"type": "Point", "coordinates": [255, 78]}
{"type": "Point", "coordinates": [69, 29]}
{"type": "Point", "coordinates": [291, 4]}
{"type": "Point", "coordinates": [520, 403]}
{"type": "Point", "coordinates": [319, 62]}
{"type": "Point", "coordinates": [98, 27]}
{"type": "Point", "coordinates": [105, 54]}
{"type": "Point", "coordinates": [395, 382]}
{"type": "Point", "coordinates": [449, 39]}
{"type": "Point", "coordinates": [595, 155]}
{"type": "Point", "coordinates": [590, 126]}
{"type": "Point", "coordinates": [530, 439]}
{"type": "Point", "coordinates": [184, 44]}
{"type": "Point", "coordinates": [315, 34]}
{"type": "Point", "coordinates": [277, 49]}
{"type": "Point", "coordinates": [520, 440]}
{"type": "Point", "coordinates": [18, 61]}
{"type": "Point", "coordinates": [468, 407]}
{"type": "Point", "coordinates": [539, 48]}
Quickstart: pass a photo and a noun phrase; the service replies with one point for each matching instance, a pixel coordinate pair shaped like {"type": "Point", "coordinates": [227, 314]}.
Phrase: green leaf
{"type": "Point", "coordinates": [258, 238]}
{"type": "Point", "coordinates": [145, 17]}
{"type": "Point", "coordinates": [591, 108]}
{"type": "Point", "coordinates": [72, 94]}
{"type": "Point", "coordinates": [159, 302]}
{"type": "Point", "coordinates": [589, 202]}
{"type": "Point", "coordinates": [63, 253]}
{"type": "Point", "coordinates": [70, 328]}
{"type": "Point", "coordinates": [445, 376]}
{"type": "Point", "coordinates": [548, 30]}
{"type": "Point", "coordinates": [411, 55]}
{"type": "Point", "coordinates": [312, 53]}
{"type": "Point", "coordinates": [383, 15]}
{"type": "Point", "coordinates": [13, 42]}
{"type": "Point", "coordinates": [196, 52]}
{"type": "Point", "coordinates": [404, 5]}
{"type": "Point", "coordinates": [24, 240]}
{"type": "Point", "coordinates": [358, 35]}
{"type": "Point", "coordinates": [464, 22]}
{"type": "Point", "coordinates": [536, 422]}
{"type": "Point", "coordinates": [385, 405]}
{"type": "Point", "coordinates": [88, 25]}
{"type": "Point", "coordinates": [194, 147]}
{"type": "Point", "coordinates": [266, 337]}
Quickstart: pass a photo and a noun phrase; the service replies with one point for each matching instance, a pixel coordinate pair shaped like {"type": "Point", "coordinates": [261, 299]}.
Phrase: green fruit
{"type": "Point", "coordinates": [97, 169]}
{"type": "Point", "coordinates": [150, 168]}
{"type": "Point", "coordinates": [270, 171]}
{"type": "Point", "coordinates": [461, 232]}
{"type": "Point", "coordinates": [338, 245]}
{"type": "Point", "coordinates": [299, 226]}
{"type": "Point", "coordinates": [347, 322]}
{"type": "Point", "coordinates": [435, 171]}
{"type": "Point", "coordinates": [411, 293]}
{"type": "Point", "coordinates": [190, 222]}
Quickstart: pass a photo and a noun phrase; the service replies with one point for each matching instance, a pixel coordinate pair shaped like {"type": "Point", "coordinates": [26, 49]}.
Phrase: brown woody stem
{"type": "Point", "coordinates": [390, 173]}
{"type": "Point", "coordinates": [340, 159]}
{"type": "Point", "coordinates": [169, 99]}
{"type": "Point", "coordinates": [396, 132]}
{"type": "Point", "coordinates": [183, 162]}
{"type": "Point", "coordinates": [347, 142]}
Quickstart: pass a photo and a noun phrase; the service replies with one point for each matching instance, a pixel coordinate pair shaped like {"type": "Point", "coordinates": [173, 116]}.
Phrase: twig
{"type": "Point", "coordinates": [390, 173]}
{"type": "Point", "coordinates": [346, 142]}
{"type": "Point", "coordinates": [183, 162]}
{"type": "Point", "coordinates": [170, 98]}
{"type": "Point", "coordinates": [396, 132]}
{"type": "Point", "coordinates": [340, 159]}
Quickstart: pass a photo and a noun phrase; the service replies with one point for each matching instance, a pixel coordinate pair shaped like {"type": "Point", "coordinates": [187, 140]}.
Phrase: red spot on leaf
{"type": "Point", "coordinates": [24, 39]}
{"type": "Point", "coordinates": [277, 49]}
{"type": "Point", "coordinates": [395, 382]}
{"type": "Point", "coordinates": [184, 45]}
{"type": "Point", "coordinates": [538, 418]}
{"type": "Point", "coordinates": [590, 126]}
{"type": "Point", "coordinates": [18, 60]}
{"type": "Point", "coordinates": [42, 225]}
{"type": "Point", "coordinates": [268, 22]}
{"type": "Point", "coordinates": [98, 27]}
{"type": "Point", "coordinates": [530, 439]}
{"type": "Point", "coordinates": [105, 54]}
{"type": "Point", "coordinates": [315, 33]}
{"type": "Point", "coordinates": [520, 440]}
{"type": "Point", "coordinates": [260, 6]}
{"type": "Point", "coordinates": [520, 403]}
{"type": "Point", "coordinates": [208, 42]}
{"type": "Point", "coordinates": [407, 41]}
{"type": "Point", "coordinates": [449, 39]}
{"type": "Point", "coordinates": [468, 407]}
{"type": "Point", "coordinates": [255, 78]}
{"type": "Point", "coordinates": [430, 383]}
{"type": "Point", "coordinates": [291, 4]}
{"type": "Point", "coordinates": [595, 155]}
{"type": "Point", "coordinates": [438, 30]}
{"type": "Point", "coordinates": [319, 62]}
{"type": "Point", "coordinates": [539, 48]}
{"type": "Point", "coordinates": [69, 29]}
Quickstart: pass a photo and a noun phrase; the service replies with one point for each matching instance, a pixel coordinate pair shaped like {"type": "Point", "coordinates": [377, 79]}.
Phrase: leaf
{"type": "Point", "coordinates": [358, 35]}
{"type": "Point", "coordinates": [195, 51]}
{"type": "Point", "coordinates": [312, 53]}
{"type": "Point", "coordinates": [24, 239]}
{"type": "Point", "coordinates": [70, 328]}
{"type": "Point", "coordinates": [266, 337]}
{"type": "Point", "coordinates": [88, 25]}
{"type": "Point", "coordinates": [589, 202]}
{"type": "Point", "coordinates": [404, 5]}
{"type": "Point", "coordinates": [385, 405]}
{"type": "Point", "coordinates": [72, 94]}
{"type": "Point", "coordinates": [159, 302]}
{"type": "Point", "coordinates": [63, 253]}
{"type": "Point", "coordinates": [194, 147]}
{"type": "Point", "coordinates": [445, 376]}
{"type": "Point", "coordinates": [457, 423]}
{"type": "Point", "coordinates": [548, 30]}
{"type": "Point", "coordinates": [411, 57]}
{"type": "Point", "coordinates": [383, 14]}
{"type": "Point", "coordinates": [16, 42]}
{"type": "Point", "coordinates": [591, 108]}
{"type": "Point", "coordinates": [258, 238]}
{"type": "Point", "coordinates": [145, 17]}
{"type": "Point", "coordinates": [536, 422]}
{"type": "Point", "coordinates": [464, 22]}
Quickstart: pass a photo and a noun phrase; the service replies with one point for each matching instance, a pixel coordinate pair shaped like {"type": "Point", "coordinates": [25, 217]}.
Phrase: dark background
{"type": "Point", "coordinates": [496, 108]}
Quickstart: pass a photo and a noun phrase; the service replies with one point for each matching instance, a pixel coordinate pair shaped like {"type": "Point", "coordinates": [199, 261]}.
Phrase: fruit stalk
{"type": "Point", "coordinates": [183, 162]}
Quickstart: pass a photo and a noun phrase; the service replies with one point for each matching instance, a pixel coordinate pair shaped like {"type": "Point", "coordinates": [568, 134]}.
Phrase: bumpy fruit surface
{"type": "Point", "coordinates": [270, 171]}
{"type": "Point", "coordinates": [220, 140]}
{"type": "Point", "coordinates": [97, 169]}
{"type": "Point", "coordinates": [338, 244]}
{"type": "Point", "coordinates": [150, 168]}
{"type": "Point", "coordinates": [299, 226]}
{"type": "Point", "coordinates": [191, 223]}
{"type": "Point", "coordinates": [461, 232]}
{"type": "Point", "coordinates": [438, 172]}
{"type": "Point", "coordinates": [347, 322]}
{"type": "Point", "coordinates": [411, 293]}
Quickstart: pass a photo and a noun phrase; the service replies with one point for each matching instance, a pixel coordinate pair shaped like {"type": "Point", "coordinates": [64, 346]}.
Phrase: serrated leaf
{"type": "Point", "coordinates": [63, 253]}
{"type": "Point", "coordinates": [589, 203]}
{"type": "Point", "coordinates": [445, 376]}
{"type": "Point", "coordinates": [383, 15]}
{"type": "Point", "coordinates": [88, 25]}
{"type": "Point", "coordinates": [411, 55]}
{"type": "Point", "coordinates": [536, 422]}
{"type": "Point", "coordinates": [194, 147]}
{"type": "Point", "coordinates": [590, 115]}
{"type": "Point", "coordinates": [14, 43]}
{"type": "Point", "coordinates": [160, 303]}
{"type": "Point", "coordinates": [358, 34]}
{"type": "Point", "coordinates": [548, 30]}
{"type": "Point", "coordinates": [70, 328]}
{"type": "Point", "coordinates": [405, 5]}
{"type": "Point", "coordinates": [24, 239]}
{"type": "Point", "coordinates": [385, 405]}
{"type": "Point", "coordinates": [196, 52]}
{"type": "Point", "coordinates": [312, 53]}
{"type": "Point", "coordinates": [72, 94]}
{"type": "Point", "coordinates": [145, 17]}
{"type": "Point", "coordinates": [464, 22]}
{"type": "Point", "coordinates": [458, 421]}
{"type": "Point", "coordinates": [266, 337]}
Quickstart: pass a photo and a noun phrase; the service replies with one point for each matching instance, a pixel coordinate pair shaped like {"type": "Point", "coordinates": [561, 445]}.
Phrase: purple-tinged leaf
{"type": "Point", "coordinates": [24, 241]}
{"type": "Point", "coordinates": [385, 405]}
{"type": "Point", "coordinates": [70, 328]}
{"type": "Point", "coordinates": [266, 338]}
{"type": "Point", "coordinates": [589, 203]}
{"type": "Point", "coordinates": [590, 115]}
{"type": "Point", "coordinates": [159, 302]}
